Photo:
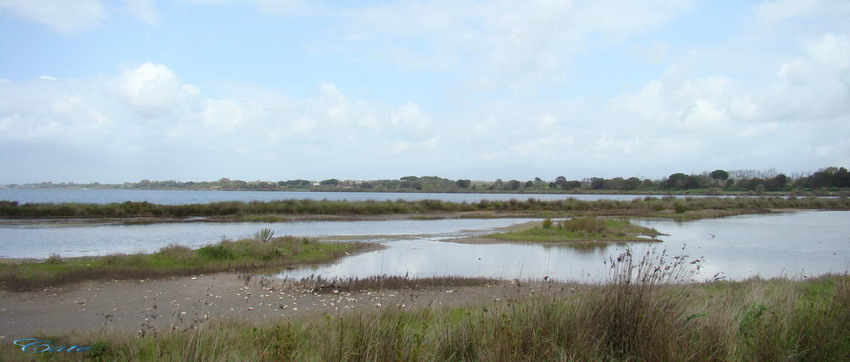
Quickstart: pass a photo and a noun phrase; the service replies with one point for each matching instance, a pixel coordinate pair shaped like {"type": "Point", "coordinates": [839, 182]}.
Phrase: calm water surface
{"type": "Point", "coordinates": [41, 241]}
{"type": "Point", "coordinates": [795, 244]}
{"type": "Point", "coordinates": [181, 197]}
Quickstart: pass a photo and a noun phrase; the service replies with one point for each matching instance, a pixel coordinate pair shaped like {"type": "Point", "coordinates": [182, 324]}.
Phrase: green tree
{"type": "Point", "coordinates": [597, 183]}
{"type": "Point", "coordinates": [718, 175]}
{"type": "Point", "coordinates": [329, 182]}
{"type": "Point", "coordinates": [560, 181]}
{"type": "Point", "coordinates": [538, 181]}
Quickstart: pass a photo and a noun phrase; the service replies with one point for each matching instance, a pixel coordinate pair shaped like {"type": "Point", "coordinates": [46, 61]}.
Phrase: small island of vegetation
{"type": "Point", "coordinates": [583, 229]}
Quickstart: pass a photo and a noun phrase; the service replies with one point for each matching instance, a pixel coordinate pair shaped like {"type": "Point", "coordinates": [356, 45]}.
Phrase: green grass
{"type": "Point", "coordinates": [581, 229]}
{"type": "Point", "coordinates": [173, 260]}
{"type": "Point", "coordinates": [646, 311]}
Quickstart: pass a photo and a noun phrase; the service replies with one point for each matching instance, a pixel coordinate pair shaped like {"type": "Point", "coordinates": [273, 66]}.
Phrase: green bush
{"type": "Point", "coordinates": [217, 252]}
{"type": "Point", "coordinates": [586, 224]}
{"type": "Point", "coordinates": [54, 259]}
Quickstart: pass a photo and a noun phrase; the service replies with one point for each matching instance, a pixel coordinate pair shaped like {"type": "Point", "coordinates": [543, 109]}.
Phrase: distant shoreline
{"type": "Point", "coordinates": [691, 192]}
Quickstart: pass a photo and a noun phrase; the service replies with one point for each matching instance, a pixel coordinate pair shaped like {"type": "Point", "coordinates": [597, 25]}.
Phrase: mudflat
{"type": "Point", "coordinates": [179, 303]}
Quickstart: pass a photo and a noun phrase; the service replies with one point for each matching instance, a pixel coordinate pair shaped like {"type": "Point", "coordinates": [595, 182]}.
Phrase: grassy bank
{"type": "Point", "coordinates": [687, 208]}
{"type": "Point", "coordinates": [581, 229]}
{"type": "Point", "coordinates": [644, 312]}
{"type": "Point", "coordinates": [262, 252]}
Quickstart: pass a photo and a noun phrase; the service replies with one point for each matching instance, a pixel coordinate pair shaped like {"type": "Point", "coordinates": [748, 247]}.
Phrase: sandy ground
{"type": "Point", "coordinates": [147, 305]}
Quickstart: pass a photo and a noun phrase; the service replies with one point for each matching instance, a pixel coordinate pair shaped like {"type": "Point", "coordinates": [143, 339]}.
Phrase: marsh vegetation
{"type": "Point", "coordinates": [664, 207]}
{"type": "Point", "coordinates": [260, 252]}
{"type": "Point", "coordinates": [581, 229]}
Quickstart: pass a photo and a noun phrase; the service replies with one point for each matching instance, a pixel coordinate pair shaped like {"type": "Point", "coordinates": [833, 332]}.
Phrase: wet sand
{"type": "Point", "coordinates": [147, 305]}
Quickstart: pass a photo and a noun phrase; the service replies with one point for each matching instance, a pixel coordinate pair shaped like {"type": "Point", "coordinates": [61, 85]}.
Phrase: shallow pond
{"type": "Point", "coordinates": [41, 241]}
{"type": "Point", "coordinates": [798, 244]}
{"type": "Point", "coordinates": [795, 245]}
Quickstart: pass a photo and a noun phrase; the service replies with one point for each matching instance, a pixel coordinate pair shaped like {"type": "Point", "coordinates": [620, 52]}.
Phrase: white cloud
{"type": "Point", "coordinates": [147, 112]}
{"type": "Point", "coordinates": [831, 50]}
{"type": "Point", "coordinates": [494, 77]}
{"type": "Point", "coordinates": [428, 144]}
{"type": "Point", "coordinates": [502, 43]}
{"type": "Point", "coordinates": [814, 86]}
{"type": "Point", "coordinates": [275, 7]}
{"type": "Point", "coordinates": [758, 130]}
{"type": "Point", "coordinates": [409, 114]}
{"type": "Point", "coordinates": [224, 114]}
{"type": "Point", "coordinates": [654, 52]}
{"type": "Point", "coordinates": [150, 89]}
{"type": "Point", "coordinates": [143, 10]}
{"type": "Point", "coordinates": [773, 12]}
{"type": "Point", "coordinates": [63, 16]}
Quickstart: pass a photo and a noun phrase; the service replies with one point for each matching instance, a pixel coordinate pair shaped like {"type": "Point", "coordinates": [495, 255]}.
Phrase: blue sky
{"type": "Point", "coordinates": [114, 91]}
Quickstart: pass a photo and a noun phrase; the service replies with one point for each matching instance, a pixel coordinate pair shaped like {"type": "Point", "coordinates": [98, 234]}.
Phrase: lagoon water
{"type": "Point", "coordinates": [797, 244]}
{"type": "Point", "coordinates": [41, 241]}
{"type": "Point", "coordinates": [182, 197]}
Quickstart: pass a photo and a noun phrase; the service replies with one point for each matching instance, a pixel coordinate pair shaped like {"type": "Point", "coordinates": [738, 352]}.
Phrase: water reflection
{"type": "Point", "coordinates": [793, 244]}
{"type": "Point", "coordinates": [82, 240]}
{"type": "Point", "coordinates": [583, 248]}
{"type": "Point", "coordinates": [796, 245]}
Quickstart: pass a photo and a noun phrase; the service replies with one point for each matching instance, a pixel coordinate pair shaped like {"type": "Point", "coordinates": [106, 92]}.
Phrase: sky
{"type": "Point", "coordinates": [197, 90]}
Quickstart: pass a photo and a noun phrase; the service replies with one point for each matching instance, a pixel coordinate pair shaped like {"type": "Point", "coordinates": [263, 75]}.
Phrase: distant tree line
{"type": "Point", "coordinates": [717, 181]}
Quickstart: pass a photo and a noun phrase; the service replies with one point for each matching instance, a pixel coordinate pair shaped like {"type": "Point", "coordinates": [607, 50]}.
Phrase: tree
{"type": "Point", "coordinates": [718, 175]}
{"type": "Point", "coordinates": [776, 183]}
{"type": "Point", "coordinates": [560, 181]}
{"type": "Point", "coordinates": [464, 184]}
{"type": "Point", "coordinates": [675, 181]}
{"type": "Point", "coordinates": [616, 183]}
{"type": "Point", "coordinates": [329, 182]}
{"type": "Point", "coordinates": [513, 185]}
{"type": "Point", "coordinates": [538, 181]}
{"type": "Point", "coordinates": [632, 183]}
{"type": "Point", "coordinates": [597, 183]}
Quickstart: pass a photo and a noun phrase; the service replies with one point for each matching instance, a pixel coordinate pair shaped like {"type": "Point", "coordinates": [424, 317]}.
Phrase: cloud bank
{"type": "Point", "coordinates": [523, 90]}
